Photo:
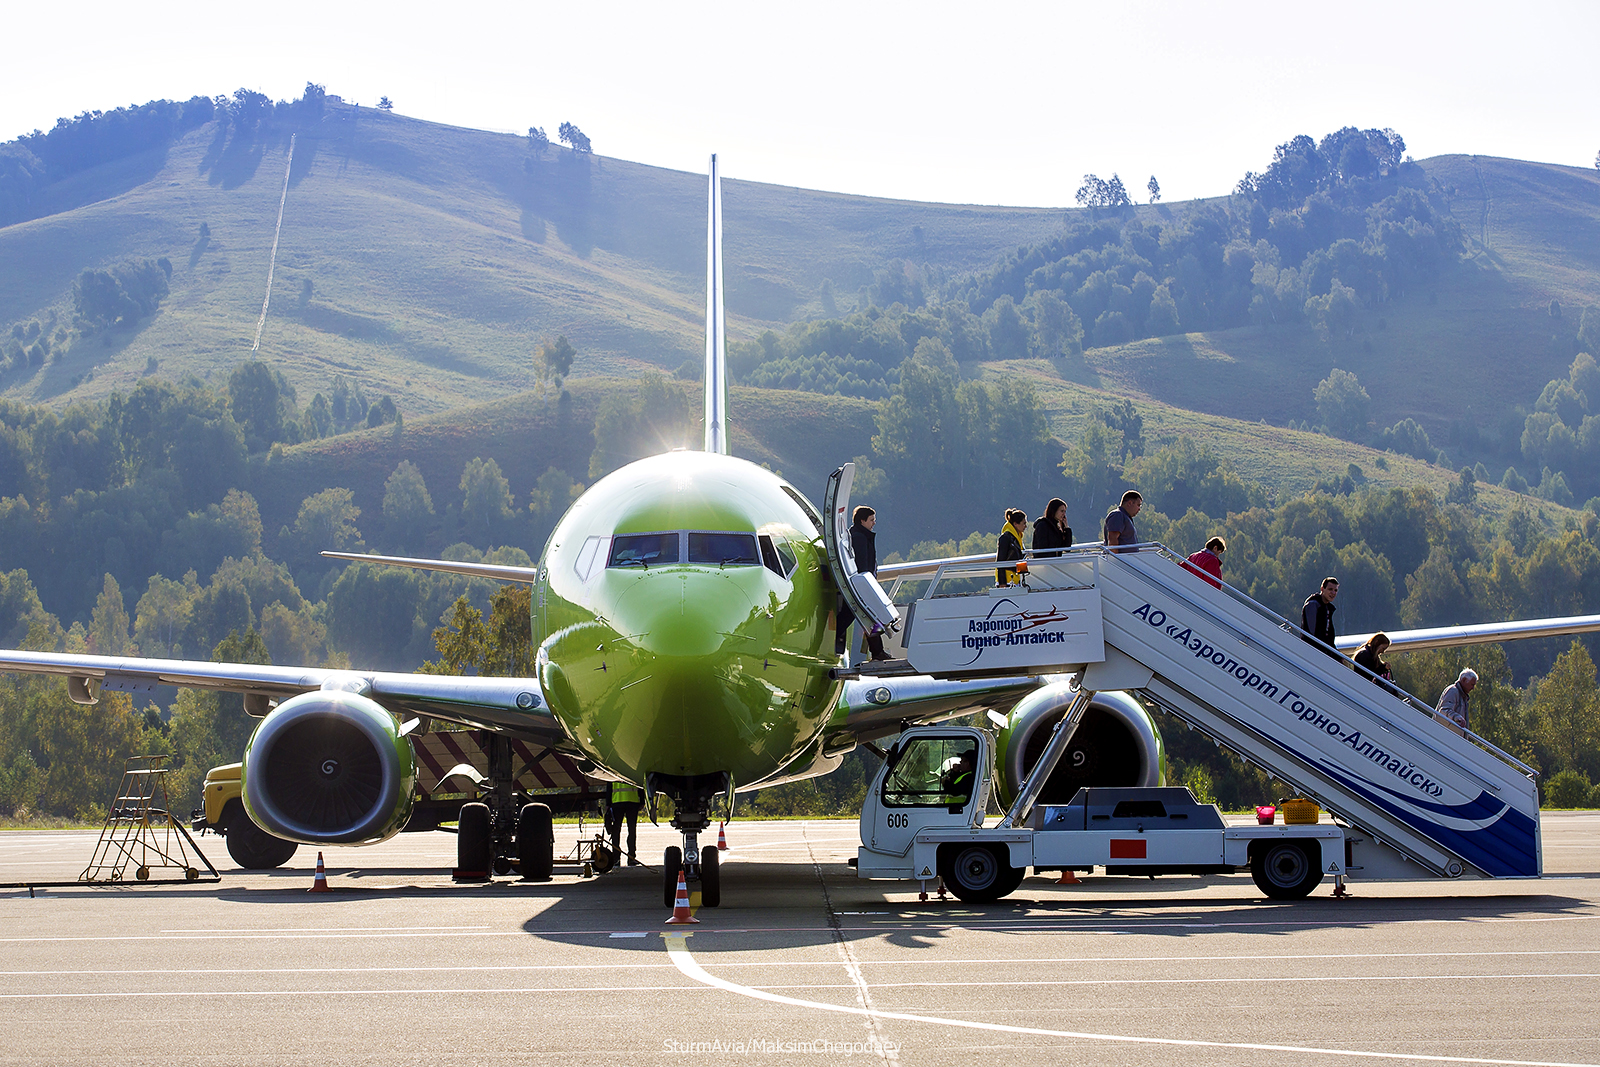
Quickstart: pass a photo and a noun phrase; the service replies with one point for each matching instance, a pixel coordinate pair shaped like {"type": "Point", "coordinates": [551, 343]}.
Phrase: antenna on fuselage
{"type": "Point", "coordinates": [716, 328]}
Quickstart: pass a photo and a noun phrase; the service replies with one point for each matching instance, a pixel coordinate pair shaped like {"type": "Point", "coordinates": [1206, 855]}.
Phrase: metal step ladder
{"type": "Point", "coordinates": [140, 830]}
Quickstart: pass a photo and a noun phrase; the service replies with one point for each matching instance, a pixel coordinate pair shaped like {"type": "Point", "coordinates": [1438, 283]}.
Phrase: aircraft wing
{"type": "Point", "coordinates": [513, 706]}
{"type": "Point", "coordinates": [1478, 634]}
{"type": "Point", "coordinates": [874, 707]}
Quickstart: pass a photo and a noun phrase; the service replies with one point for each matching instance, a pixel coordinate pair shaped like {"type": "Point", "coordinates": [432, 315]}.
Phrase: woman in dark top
{"type": "Point", "coordinates": [1367, 655]}
{"type": "Point", "coordinates": [1010, 546]}
{"type": "Point", "coordinates": [1050, 530]}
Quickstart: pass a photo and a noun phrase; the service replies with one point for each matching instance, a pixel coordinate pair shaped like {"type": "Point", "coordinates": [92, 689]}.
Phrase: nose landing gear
{"type": "Point", "coordinates": [691, 801]}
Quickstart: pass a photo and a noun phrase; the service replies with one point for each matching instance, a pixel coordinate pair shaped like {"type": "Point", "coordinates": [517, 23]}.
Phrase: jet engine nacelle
{"type": "Point", "coordinates": [329, 768]}
{"type": "Point", "coordinates": [1116, 744]}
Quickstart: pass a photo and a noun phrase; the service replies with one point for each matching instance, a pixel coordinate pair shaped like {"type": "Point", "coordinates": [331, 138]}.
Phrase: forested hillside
{"type": "Point", "coordinates": [1356, 364]}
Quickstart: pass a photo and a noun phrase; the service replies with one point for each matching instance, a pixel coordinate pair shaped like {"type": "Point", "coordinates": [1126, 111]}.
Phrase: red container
{"type": "Point", "coordinates": [1265, 813]}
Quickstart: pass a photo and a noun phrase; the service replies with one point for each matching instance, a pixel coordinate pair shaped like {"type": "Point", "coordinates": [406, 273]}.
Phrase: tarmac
{"type": "Point", "coordinates": [802, 963]}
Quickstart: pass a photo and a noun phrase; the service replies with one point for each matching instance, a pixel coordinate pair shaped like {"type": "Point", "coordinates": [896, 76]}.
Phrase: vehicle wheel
{"type": "Point", "coordinates": [602, 860]}
{"type": "Point", "coordinates": [710, 878]}
{"type": "Point", "coordinates": [536, 842]}
{"type": "Point", "coordinates": [190, 874]}
{"type": "Point", "coordinates": [671, 865]}
{"type": "Point", "coordinates": [250, 846]}
{"type": "Point", "coordinates": [1286, 870]}
{"type": "Point", "coordinates": [978, 874]}
{"type": "Point", "coordinates": [473, 847]}
{"type": "Point", "coordinates": [143, 874]}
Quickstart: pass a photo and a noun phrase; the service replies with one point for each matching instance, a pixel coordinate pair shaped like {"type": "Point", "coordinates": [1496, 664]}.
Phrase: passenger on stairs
{"type": "Point", "coordinates": [1316, 614]}
{"type": "Point", "coordinates": [1010, 547]}
{"type": "Point", "coordinates": [864, 547]}
{"type": "Point", "coordinates": [1050, 530]}
{"type": "Point", "coordinates": [1119, 521]}
{"type": "Point", "coordinates": [1452, 708]}
{"type": "Point", "coordinates": [1208, 561]}
{"type": "Point", "coordinates": [1368, 656]}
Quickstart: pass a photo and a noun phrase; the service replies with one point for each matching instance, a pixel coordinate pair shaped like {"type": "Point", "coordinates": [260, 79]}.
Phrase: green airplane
{"type": "Point", "coordinates": [684, 616]}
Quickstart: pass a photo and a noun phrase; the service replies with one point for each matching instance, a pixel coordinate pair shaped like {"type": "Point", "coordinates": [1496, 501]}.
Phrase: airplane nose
{"type": "Point", "coordinates": [683, 615]}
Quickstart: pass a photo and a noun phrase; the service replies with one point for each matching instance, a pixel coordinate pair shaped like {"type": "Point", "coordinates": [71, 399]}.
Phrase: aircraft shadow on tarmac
{"type": "Point", "coordinates": [781, 905]}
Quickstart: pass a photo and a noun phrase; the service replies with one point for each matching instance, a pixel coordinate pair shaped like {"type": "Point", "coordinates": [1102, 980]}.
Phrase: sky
{"type": "Point", "coordinates": [1008, 103]}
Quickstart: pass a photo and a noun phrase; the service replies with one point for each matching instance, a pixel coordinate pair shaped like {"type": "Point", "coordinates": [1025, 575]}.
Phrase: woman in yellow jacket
{"type": "Point", "coordinates": [1011, 545]}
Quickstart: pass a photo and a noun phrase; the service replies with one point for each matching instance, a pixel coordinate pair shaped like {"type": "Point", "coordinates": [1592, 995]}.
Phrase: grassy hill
{"type": "Point", "coordinates": [438, 257]}
{"type": "Point", "coordinates": [428, 262]}
{"type": "Point", "coordinates": [1472, 347]}
{"type": "Point", "coordinates": [1287, 461]}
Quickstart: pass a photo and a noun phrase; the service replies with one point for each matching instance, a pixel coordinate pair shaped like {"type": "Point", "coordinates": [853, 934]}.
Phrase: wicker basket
{"type": "Point", "coordinates": [1299, 811]}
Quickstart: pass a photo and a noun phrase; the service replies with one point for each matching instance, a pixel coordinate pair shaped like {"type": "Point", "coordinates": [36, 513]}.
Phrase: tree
{"type": "Point", "coordinates": [1097, 193]}
{"type": "Point", "coordinates": [555, 360]}
{"type": "Point", "coordinates": [327, 521]}
{"type": "Point", "coordinates": [538, 140]}
{"type": "Point", "coordinates": [499, 648]}
{"type": "Point", "coordinates": [485, 497]}
{"type": "Point", "coordinates": [384, 104]}
{"type": "Point", "coordinates": [1566, 710]}
{"type": "Point", "coordinates": [259, 397]}
{"type": "Point", "coordinates": [108, 629]}
{"type": "Point", "coordinates": [1343, 404]}
{"type": "Point", "coordinates": [1334, 314]}
{"type": "Point", "coordinates": [1465, 490]}
{"type": "Point", "coordinates": [1057, 328]}
{"type": "Point", "coordinates": [407, 507]}
{"type": "Point", "coordinates": [1155, 189]}
{"type": "Point", "coordinates": [574, 138]}
{"type": "Point", "coordinates": [1008, 332]}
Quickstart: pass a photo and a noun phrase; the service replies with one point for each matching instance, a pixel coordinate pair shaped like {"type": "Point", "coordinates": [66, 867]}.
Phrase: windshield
{"type": "Point", "coordinates": [723, 548]}
{"type": "Point", "coordinates": [932, 772]}
{"type": "Point", "coordinates": [643, 550]}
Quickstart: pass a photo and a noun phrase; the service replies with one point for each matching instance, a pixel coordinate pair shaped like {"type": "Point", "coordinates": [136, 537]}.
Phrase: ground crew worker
{"type": "Point", "coordinates": [624, 804]}
{"type": "Point", "coordinates": [958, 780]}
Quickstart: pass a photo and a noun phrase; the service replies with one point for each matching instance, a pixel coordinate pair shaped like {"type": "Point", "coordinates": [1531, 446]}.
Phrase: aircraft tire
{"type": "Point", "coordinates": [1286, 870]}
{"type": "Point", "coordinates": [710, 878]}
{"type": "Point", "coordinates": [978, 874]}
{"type": "Point", "coordinates": [474, 850]}
{"type": "Point", "coordinates": [536, 841]}
{"type": "Point", "coordinates": [250, 846]}
{"type": "Point", "coordinates": [671, 865]}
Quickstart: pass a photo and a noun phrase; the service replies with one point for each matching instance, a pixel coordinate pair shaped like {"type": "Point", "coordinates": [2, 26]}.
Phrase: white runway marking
{"type": "Point", "coordinates": [401, 992]}
{"type": "Point", "coordinates": [885, 1051]}
{"type": "Point", "coordinates": [321, 929]}
{"type": "Point", "coordinates": [678, 950]}
{"type": "Point", "coordinates": [791, 964]}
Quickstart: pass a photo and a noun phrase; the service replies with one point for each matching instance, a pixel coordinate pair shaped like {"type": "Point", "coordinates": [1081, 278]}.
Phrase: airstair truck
{"type": "Point", "coordinates": [1411, 797]}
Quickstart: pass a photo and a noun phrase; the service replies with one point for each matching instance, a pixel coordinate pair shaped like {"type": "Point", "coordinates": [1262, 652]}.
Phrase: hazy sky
{"type": "Point", "coordinates": [997, 104]}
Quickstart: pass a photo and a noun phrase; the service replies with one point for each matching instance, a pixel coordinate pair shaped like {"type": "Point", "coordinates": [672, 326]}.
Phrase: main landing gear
{"type": "Point", "coordinates": [498, 833]}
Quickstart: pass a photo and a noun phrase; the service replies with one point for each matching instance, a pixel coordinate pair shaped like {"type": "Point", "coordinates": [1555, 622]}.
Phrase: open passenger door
{"type": "Point", "coordinates": [861, 591]}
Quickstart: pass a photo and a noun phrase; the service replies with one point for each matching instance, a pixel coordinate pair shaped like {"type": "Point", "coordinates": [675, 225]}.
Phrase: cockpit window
{"type": "Point", "coordinates": [643, 550]}
{"type": "Point", "coordinates": [777, 556]}
{"type": "Point", "coordinates": [724, 549]}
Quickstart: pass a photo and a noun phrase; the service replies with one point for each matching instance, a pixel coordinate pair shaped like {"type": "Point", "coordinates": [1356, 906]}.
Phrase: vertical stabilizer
{"type": "Point", "coordinates": [716, 330]}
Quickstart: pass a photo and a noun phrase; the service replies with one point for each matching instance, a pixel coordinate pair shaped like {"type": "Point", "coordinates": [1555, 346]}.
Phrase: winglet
{"type": "Point", "coordinates": [716, 329]}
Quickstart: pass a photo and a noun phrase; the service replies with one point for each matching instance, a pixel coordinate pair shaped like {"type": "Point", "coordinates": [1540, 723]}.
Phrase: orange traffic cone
{"type": "Point", "coordinates": [680, 906]}
{"type": "Point", "coordinates": [319, 884]}
{"type": "Point", "coordinates": [1068, 878]}
{"type": "Point", "coordinates": [722, 838]}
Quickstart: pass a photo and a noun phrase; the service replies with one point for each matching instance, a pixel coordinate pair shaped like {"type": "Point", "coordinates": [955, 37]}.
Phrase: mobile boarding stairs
{"type": "Point", "coordinates": [1415, 796]}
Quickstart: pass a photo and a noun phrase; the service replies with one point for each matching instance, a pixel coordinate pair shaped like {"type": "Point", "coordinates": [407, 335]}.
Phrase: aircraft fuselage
{"type": "Point", "coordinates": [683, 620]}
